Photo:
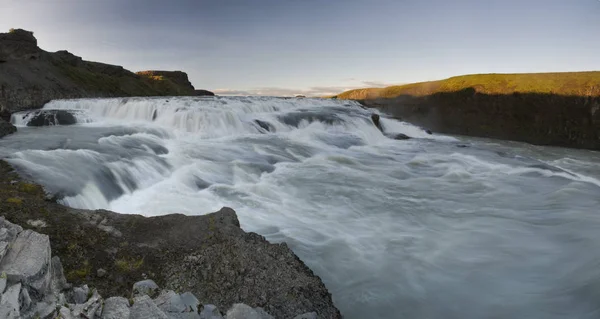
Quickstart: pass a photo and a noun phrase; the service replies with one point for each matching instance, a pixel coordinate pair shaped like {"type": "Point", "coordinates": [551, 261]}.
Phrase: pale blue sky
{"type": "Point", "coordinates": [317, 46]}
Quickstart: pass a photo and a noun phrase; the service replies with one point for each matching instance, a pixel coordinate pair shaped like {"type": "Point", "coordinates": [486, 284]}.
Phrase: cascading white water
{"type": "Point", "coordinates": [396, 229]}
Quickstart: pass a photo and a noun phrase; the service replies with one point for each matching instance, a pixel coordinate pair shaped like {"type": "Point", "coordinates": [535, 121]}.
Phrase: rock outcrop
{"type": "Point", "coordinates": [30, 77]}
{"type": "Point", "coordinates": [6, 128]}
{"type": "Point", "coordinates": [209, 256]}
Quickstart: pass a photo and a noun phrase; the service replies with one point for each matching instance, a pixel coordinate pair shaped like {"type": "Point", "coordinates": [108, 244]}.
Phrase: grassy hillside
{"type": "Point", "coordinates": [568, 83]}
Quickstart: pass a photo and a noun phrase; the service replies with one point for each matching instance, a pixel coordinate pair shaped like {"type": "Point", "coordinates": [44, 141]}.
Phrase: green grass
{"type": "Point", "coordinates": [568, 83]}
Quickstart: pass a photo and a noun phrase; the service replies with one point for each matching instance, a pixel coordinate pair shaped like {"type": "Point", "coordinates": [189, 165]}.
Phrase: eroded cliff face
{"type": "Point", "coordinates": [30, 76]}
{"type": "Point", "coordinates": [541, 119]}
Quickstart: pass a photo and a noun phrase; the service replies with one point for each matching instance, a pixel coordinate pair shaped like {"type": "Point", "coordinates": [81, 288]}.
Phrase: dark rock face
{"type": "Point", "coordinates": [30, 76]}
{"type": "Point", "coordinates": [542, 119]}
{"type": "Point", "coordinates": [204, 93]}
{"type": "Point", "coordinates": [52, 117]}
{"type": "Point", "coordinates": [401, 136]}
{"type": "Point", "coordinates": [6, 128]}
{"type": "Point", "coordinates": [375, 119]}
{"type": "Point", "coordinates": [208, 255]}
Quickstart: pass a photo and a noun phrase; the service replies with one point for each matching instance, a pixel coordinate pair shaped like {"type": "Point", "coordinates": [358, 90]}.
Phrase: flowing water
{"type": "Point", "coordinates": [431, 227]}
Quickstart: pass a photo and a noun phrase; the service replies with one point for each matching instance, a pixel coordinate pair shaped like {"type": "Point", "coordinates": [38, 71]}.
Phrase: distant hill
{"type": "Point", "coordinates": [559, 109]}
{"type": "Point", "coordinates": [568, 83]}
{"type": "Point", "coordinates": [30, 76]}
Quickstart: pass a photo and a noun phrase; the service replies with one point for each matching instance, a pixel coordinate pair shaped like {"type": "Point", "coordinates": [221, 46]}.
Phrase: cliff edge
{"type": "Point", "coordinates": [30, 76]}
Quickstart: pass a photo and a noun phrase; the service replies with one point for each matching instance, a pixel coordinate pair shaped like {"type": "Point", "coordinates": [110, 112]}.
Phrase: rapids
{"type": "Point", "coordinates": [420, 228]}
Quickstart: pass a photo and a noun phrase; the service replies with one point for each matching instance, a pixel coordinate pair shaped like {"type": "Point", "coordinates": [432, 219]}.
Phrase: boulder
{"type": "Point", "coordinates": [376, 120]}
{"type": "Point", "coordinates": [169, 301]}
{"type": "Point", "coordinates": [190, 301]}
{"type": "Point", "coordinates": [80, 294]}
{"type": "Point", "coordinates": [144, 308]}
{"type": "Point", "coordinates": [145, 288]}
{"type": "Point", "coordinates": [28, 261]}
{"type": "Point", "coordinates": [9, 304]}
{"type": "Point", "coordinates": [6, 128]}
{"type": "Point", "coordinates": [52, 117]}
{"type": "Point", "coordinates": [210, 312]}
{"type": "Point", "coordinates": [115, 308]}
{"type": "Point", "coordinates": [401, 136]}
{"type": "Point", "coordinates": [242, 311]}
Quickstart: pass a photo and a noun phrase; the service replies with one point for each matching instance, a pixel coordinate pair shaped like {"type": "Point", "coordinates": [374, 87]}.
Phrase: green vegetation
{"type": "Point", "coordinates": [568, 83]}
{"type": "Point", "coordinates": [81, 272]}
{"type": "Point", "coordinates": [129, 264]}
{"type": "Point", "coordinates": [14, 200]}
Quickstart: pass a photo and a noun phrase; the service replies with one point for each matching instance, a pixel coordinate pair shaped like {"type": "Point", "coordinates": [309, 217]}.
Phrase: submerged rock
{"type": "Point", "coordinates": [401, 136]}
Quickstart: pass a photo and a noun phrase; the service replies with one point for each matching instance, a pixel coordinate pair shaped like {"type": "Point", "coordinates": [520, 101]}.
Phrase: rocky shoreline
{"type": "Point", "coordinates": [207, 257]}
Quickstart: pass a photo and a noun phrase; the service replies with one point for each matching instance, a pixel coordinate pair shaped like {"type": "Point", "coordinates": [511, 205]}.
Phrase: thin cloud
{"type": "Point", "coordinates": [376, 84]}
{"type": "Point", "coordinates": [315, 91]}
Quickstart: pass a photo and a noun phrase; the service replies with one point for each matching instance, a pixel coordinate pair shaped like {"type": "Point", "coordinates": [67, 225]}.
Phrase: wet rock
{"type": "Point", "coordinates": [145, 288]}
{"type": "Point", "coordinates": [144, 308]}
{"type": "Point", "coordinates": [52, 117]}
{"type": "Point", "coordinates": [80, 294]}
{"type": "Point", "coordinates": [428, 132]}
{"type": "Point", "coordinates": [308, 315]}
{"type": "Point", "coordinates": [28, 261]}
{"type": "Point", "coordinates": [462, 145]}
{"type": "Point", "coordinates": [401, 136]}
{"type": "Point", "coordinates": [210, 312]}
{"type": "Point", "coordinates": [265, 125]}
{"type": "Point", "coordinates": [376, 120]}
{"type": "Point", "coordinates": [6, 128]}
{"type": "Point", "coordinates": [115, 308]}
{"type": "Point", "coordinates": [242, 311]}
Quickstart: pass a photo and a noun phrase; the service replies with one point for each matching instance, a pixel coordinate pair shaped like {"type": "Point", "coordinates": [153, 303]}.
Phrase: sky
{"type": "Point", "coordinates": [317, 47]}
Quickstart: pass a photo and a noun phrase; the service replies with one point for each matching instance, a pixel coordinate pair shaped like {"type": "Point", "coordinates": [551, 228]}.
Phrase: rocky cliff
{"type": "Point", "coordinates": [209, 256]}
{"type": "Point", "coordinates": [30, 76]}
{"type": "Point", "coordinates": [558, 109]}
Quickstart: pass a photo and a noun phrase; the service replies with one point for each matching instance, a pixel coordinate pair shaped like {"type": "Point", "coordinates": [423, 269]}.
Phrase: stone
{"type": "Point", "coordinates": [401, 136]}
{"type": "Point", "coordinates": [9, 305]}
{"type": "Point", "coordinates": [92, 306]}
{"type": "Point", "coordinates": [52, 117]}
{"type": "Point", "coordinates": [190, 301]}
{"type": "Point", "coordinates": [3, 249]}
{"type": "Point", "coordinates": [6, 128]}
{"type": "Point", "coordinates": [80, 294]}
{"type": "Point", "coordinates": [308, 315]}
{"type": "Point", "coordinates": [100, 272]}
{"type": "Point", "coordinates": [428, 132]}
{"type": "Point", "coordinates": [376, 120]}
{"type": "Point", "coordinates": [210, 312]}
{"type": "Point", "coordinates": [183, 315]}
{"type": "Point", "coordinates": [25, 299]}
{"type": "Point", "coordinates": [65, 313]}
{"type": "Point", "coordinates": [2, 283]}
{"type": "Point", "coordinates": [169, 301]}
{"type": "Point", "coordinates": [28, 260]}
{"type": "Point", "coordinates": [145, 287]}
{"type": "Point", "coordinates": [115, 308]}
{"type": "Point", "coordinates": [243, 311]}
{"type": "Point", "coordinates": [144, 308]}
{"type": "Point", "coordinates": [3, 234]}
{"type": "Point", "coordinates": [44, 310]}
{"type": "Point", "coordinates": [59, 282]}
{"type": "Point", "coordinates": [38, 223]}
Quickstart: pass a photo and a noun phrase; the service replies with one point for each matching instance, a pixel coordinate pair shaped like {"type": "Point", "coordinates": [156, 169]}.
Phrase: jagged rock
{"type": "Point", "coordinates": [145, 288]}
{"type": "Point", "coordinates": [92, 306]}
{"type": "Point", "coordinates": [9, 305]}
{"type": "Point", "coordinates": [428, 132]}
{"type": "Point", "coordinates": [210, 312]}
{"type": "Point", "coordinates": [52, 117]}
{"type": "Point", "coordinates": [190, 301]}
{"type": "Point", "coordinates": [6, 128]}
{"type": "Point", "coordinates": [309, 315]}
{"type": "Point", "coordinates": [144, 308]}
{"type": "Point", "coordinates": [25, 299]}
{"type": "Point", "coordinates": [242, 311]}
{"type": "Point", "coordinates": [375, 118]}
{"type": "Point", "coordinates": [115, 308]}
{"type": "Point", "coordinates": [169, 301]}
{"type": "Point", "coordinates": [3, 249]}
{"type": "Point", "coordinates": [28, 260]}
{"type": "Point", "coordinates": [265, 125]}
{"type": "Point", "coordinates": [44, 310]}
{"type": "Point", "coordinates": [59, 282]}
{"type": "Point", "coordinates": [80, 294]}
{"type": "Point", "coordinates": [65, 313]}
{"type": "Point", "coordinates": [2, 283]}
